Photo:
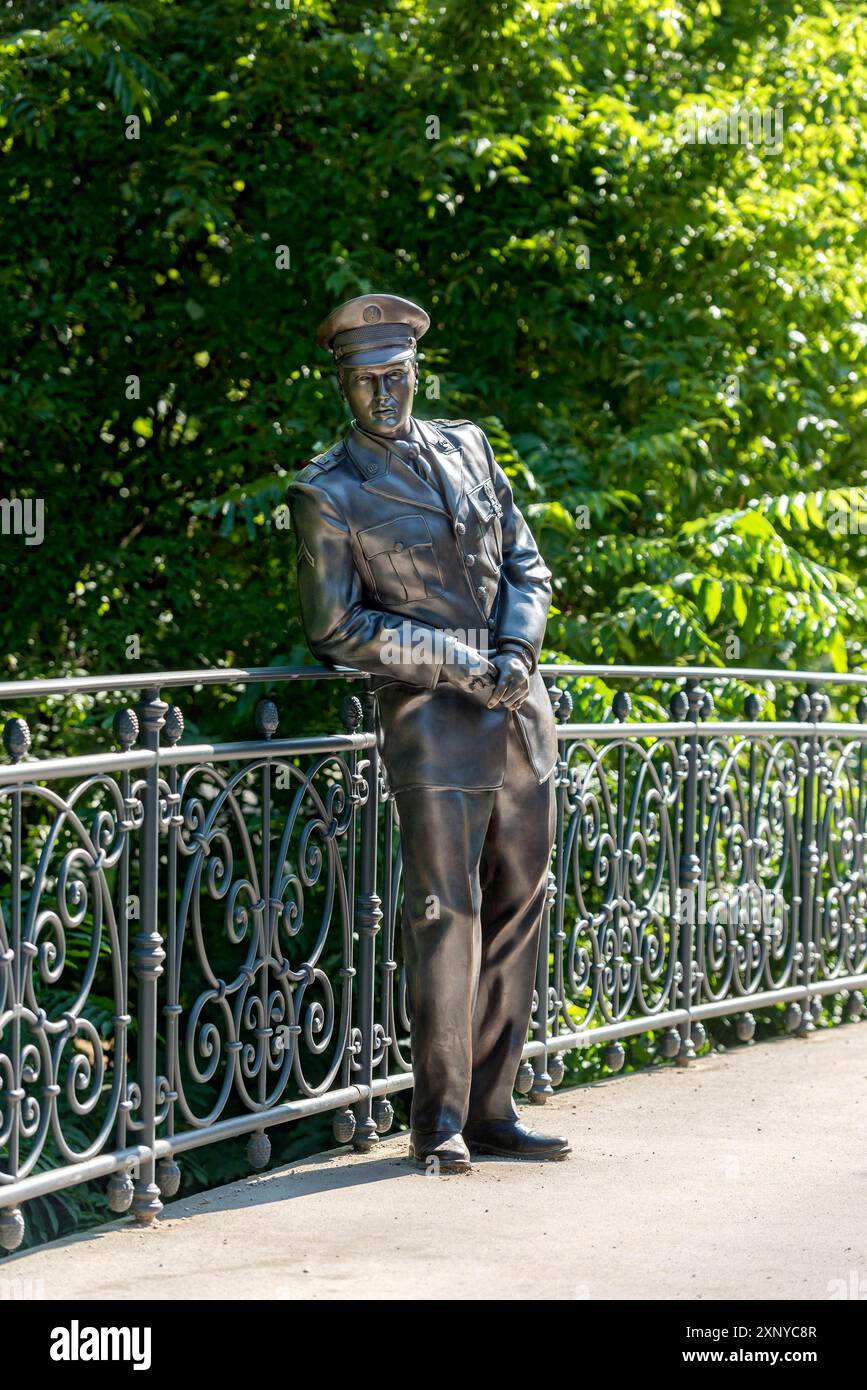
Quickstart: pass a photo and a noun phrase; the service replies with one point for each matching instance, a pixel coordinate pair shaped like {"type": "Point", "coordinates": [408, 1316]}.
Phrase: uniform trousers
{"type": "Point", "coordinates": [475, 873]}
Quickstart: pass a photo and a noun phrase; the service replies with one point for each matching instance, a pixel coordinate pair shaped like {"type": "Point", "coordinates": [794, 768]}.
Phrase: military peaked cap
{"type": "Point", "coordinates": [373, 330]}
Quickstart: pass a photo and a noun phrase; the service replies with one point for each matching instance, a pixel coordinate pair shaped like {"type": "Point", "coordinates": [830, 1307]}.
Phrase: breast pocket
{"type": "Point", "coordinates": [488, 511]}
{"type": "Point", "coordinates": [401, 560]}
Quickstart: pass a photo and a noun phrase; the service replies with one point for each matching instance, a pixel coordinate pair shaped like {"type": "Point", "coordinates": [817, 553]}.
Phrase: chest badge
{"type": "Point", "coordinates": [492, 497]}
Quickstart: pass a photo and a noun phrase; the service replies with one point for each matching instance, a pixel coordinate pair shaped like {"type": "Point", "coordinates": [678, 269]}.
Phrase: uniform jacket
{"type": "Point", "coordinates": [383, 553]}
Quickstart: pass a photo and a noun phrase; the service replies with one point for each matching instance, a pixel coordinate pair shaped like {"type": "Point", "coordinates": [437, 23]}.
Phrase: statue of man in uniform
{"type": "Point", "coordinates": [416, 566]}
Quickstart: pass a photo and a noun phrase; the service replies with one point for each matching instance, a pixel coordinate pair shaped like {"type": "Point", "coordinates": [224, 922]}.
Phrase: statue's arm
{"type": "Point", "coordinates": [340, 628]}
{"type": "Point", "coordinates": [525, 580]}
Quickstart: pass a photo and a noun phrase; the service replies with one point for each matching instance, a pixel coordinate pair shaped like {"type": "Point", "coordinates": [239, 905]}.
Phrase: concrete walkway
{"type": "Point", "coordinates": [743, 1176]}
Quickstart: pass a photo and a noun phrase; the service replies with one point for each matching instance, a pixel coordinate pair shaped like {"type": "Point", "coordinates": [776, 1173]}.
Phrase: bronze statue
{"type": "Point", "coordinates": [415, 565]}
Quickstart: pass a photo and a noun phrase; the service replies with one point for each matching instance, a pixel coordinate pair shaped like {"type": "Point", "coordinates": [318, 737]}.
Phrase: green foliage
{"type": "Point", "coordinates": [662, 337]}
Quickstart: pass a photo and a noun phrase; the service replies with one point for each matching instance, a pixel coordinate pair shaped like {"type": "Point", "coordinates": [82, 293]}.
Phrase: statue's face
{"type": "Point", "coordinates": [380, 398]}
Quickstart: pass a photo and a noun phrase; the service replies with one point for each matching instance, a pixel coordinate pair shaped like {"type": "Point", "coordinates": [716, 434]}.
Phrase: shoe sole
{"type": "Point", "coordinates": [510, 1153]}
{"type": "Point", "coordinates": [458, 1166]}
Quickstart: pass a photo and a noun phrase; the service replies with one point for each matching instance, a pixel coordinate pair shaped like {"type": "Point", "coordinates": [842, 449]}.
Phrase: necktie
{"type": "Point", "coordinates": [409, 451]}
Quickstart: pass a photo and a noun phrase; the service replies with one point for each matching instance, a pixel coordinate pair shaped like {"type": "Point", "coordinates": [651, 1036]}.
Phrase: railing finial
{"type": "Point", "coordinates": [753, 705]}
{"type": "Point", "coordinates": [125, 728]}
{"type": "Point", "coordinates": [174, 724]}
{"type": "Point", "coordinates": [621, 705]}
{"type": "Point", "coordinates": [351, 713]}
{"type": "Point", "coordinates": [267, 718]}
{"type": "Point", "coordinates": [16, 738]}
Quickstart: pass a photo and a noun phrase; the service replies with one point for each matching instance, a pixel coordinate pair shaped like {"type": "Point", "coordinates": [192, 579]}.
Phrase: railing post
{"type": "Point", "coordinates": [622, 706]}
{"type": "Point", "coordinates": [120, 1190]}
{"type": "Point", "coordinates": [855, 1007]}
{"type": "Point", "coordinates": [147, 959]}
{"type": "Point", "coordinates": [538, 1079]}
{"type": "Point", "coordinates": [542, 1084]}
{"type": "Point", "coordinates": [698, 1035]}
{"type": "Point", "coordinates": [689, 873]}
{"type": "Point", "coordinates": [556, 1064]}
{"type": "Point", "coordinates": [168, 1170]}
{"type": "Point", "coordinates": [814, 707]}
{"type": "Point", "coordinates": [368, 916]}
{"type": "Point", "coordinates": [16, 739]}
{"type": "Point", "coordinates": [386, 964]}
{"type": "Point", "coordinates": [534, 1079]}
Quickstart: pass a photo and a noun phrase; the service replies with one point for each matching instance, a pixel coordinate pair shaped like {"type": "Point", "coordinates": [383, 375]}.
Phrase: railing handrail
{"type": "Point", "coordinates": [12, 691]}
{"type": "Point", "coordinates": [745, 673]}
{"type": "Point", "coordinates": [164, 680]}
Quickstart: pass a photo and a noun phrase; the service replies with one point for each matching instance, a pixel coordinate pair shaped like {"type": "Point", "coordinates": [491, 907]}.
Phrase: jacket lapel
{"type": "Point", "coordinates": [448, 461]}
{"type": "Point", "coordinates": [385, 472]}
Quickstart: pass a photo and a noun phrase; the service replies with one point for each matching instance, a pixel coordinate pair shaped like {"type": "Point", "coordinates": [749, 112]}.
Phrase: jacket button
{"type": "Point", "coordinates": [398, 545]}
{"type": "Point", "coordinates": [412, 454]}
{"type": "Point", "coordinates": [470, 559]}
{"type": "Point", "coordinates": [460, 527]}
{"type": "Point", "coordinates": [481, 591]}
{"type": "Point", "coordinates": [370, 468]}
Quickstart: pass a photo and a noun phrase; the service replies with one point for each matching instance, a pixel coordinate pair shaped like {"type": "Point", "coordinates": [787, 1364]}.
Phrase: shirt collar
{"type": "Point", "coordinates": [383, 441]}
{"type": "Point", "coordinates": [370, 452]}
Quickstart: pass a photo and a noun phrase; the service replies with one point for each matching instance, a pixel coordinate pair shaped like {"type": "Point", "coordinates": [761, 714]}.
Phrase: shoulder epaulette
{"type": "Point", "coordinates": [320, 464]}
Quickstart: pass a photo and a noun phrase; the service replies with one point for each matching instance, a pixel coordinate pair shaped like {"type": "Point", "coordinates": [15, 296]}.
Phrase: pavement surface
{"type": "Point", "coordinates": [741, 1176]}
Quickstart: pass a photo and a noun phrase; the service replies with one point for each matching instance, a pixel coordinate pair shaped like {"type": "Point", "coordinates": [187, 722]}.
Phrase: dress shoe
{"type": "Point", "coordinates": [448, 1148]}
{"type": "Point", "coordinates": [511, 1139]}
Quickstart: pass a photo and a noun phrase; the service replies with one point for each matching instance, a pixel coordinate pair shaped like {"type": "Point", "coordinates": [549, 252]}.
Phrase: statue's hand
{"type": "Point", "coordinates": [512, 681]}
{"type": "Point", "coordinates": [468, 669]}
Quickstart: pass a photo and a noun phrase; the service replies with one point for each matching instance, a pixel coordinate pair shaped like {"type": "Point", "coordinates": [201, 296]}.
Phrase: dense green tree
{"type": "Point", "coordinates": [662, 336]}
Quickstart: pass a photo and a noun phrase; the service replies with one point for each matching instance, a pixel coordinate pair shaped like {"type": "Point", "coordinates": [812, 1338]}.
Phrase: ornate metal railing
{"type": "Point", "coordinates": [199, 941]}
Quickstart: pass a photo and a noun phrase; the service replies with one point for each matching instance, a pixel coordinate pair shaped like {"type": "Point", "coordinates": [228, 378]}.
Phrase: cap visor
{"type": "Point", "coordinates": [377, 357]}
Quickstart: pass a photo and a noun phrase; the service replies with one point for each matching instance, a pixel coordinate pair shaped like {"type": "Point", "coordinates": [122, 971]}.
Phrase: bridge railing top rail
{"type": "Point", "coordinates": [17, 690]}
